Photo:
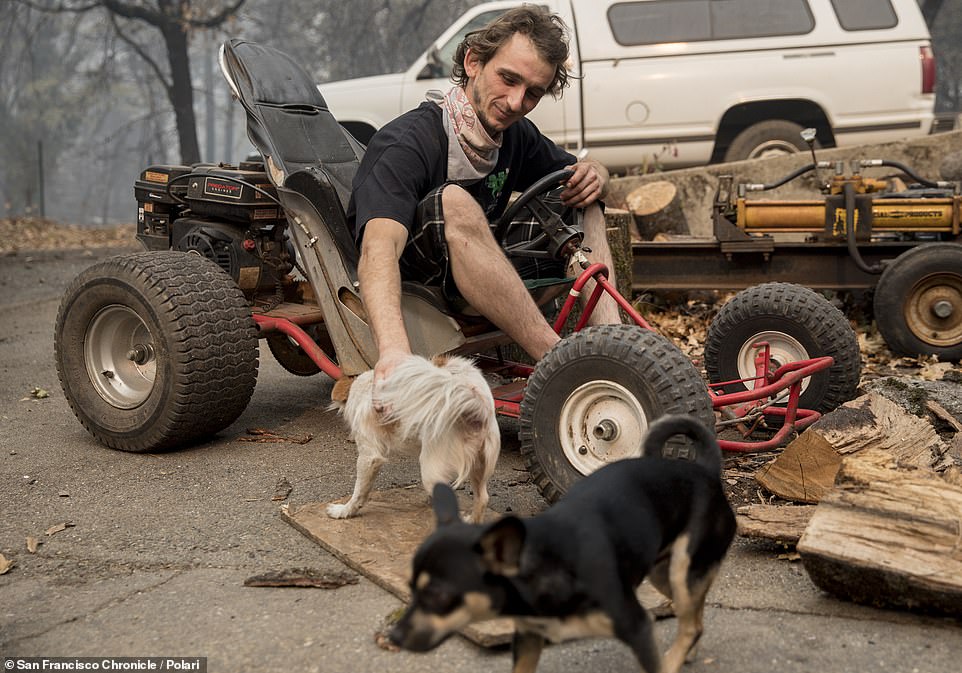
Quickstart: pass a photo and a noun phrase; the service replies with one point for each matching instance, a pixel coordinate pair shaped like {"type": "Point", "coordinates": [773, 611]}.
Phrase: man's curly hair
{"type": "Point", "coordinates": [546, 31]}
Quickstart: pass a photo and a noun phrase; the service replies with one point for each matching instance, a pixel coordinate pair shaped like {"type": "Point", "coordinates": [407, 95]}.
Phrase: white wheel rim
{"type": "Point", "coordinates": [601, 422]}
{"type": "Point", "coordinates": [783, 348]}
{"type": "Point", "coordinates": [119, 355]}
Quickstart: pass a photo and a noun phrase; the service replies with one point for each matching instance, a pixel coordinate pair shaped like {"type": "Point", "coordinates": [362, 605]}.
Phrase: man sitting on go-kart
{"type": "Point", "coordinates": [431, 180]}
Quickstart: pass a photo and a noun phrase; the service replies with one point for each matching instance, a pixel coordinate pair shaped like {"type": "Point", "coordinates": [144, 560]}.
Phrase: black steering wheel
{"type": "Point", "coordinates": [556, 234]}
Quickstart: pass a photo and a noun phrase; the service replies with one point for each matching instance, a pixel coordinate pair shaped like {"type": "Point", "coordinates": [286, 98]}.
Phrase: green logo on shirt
{"type": "Point", "coordinates": [495, 182]}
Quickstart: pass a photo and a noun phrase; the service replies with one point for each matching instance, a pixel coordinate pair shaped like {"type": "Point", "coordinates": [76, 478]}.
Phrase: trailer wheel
{"type": "Point", "coordinates": [155, 350]}
{"type": "Point", "coordinates": [591, 399]}
{"type": "Point", "coordinates": [918, 302]}
{"type": "Point", "coordinates": [774, 137]}
{"type": "Point", "coordinates": [798, 324]}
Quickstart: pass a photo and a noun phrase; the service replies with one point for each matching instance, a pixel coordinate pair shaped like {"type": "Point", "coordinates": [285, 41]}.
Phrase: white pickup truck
{"type": "Point", "coordinates": [672, 83]}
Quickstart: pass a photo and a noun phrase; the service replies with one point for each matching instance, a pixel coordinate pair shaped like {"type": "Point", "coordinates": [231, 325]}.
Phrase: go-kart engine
{"type": "Point", "coordinates": [225, 213]}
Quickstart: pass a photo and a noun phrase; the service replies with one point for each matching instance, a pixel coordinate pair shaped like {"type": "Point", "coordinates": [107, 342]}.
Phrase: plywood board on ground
{"type": "Point", "coordinates": [381, 542]}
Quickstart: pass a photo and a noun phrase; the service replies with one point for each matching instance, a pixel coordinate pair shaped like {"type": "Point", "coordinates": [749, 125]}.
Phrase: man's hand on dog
{"type": "Point", "coordinates": [386, 362]}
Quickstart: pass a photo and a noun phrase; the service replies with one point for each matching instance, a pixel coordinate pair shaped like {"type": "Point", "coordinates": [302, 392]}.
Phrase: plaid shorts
{"type": "Point", "coordinates": [425, 257]}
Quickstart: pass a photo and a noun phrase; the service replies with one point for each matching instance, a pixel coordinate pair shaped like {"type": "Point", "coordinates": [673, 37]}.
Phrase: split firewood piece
{"type": "Point", "coordinates": [782, 523]}
{"type": "Point", "coordinates": [872, 426]}
{"type": "Point", "coordinates": [888, 535]}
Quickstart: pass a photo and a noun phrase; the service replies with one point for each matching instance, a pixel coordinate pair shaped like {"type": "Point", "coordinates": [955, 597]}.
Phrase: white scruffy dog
{"type": "Point", "coordinates": [440, 410]}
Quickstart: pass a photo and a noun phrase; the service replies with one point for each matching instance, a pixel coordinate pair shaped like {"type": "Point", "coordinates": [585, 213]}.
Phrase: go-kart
{"type": "Point", "coordinates": [160, 348]}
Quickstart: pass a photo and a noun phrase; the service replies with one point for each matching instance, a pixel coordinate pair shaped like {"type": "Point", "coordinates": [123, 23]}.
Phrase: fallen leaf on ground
{"type": "Point", "coordinates": [32, 544]}
{"type": "Point", "coordinates": [36, 394]}
{"type": "Point", "coordinates": [39, 393]}
{"type": "Point", "coordinates": [282, 490]}
{"type": "Point", "coordinates": [5, 564]}
{"type": "Point", "coordinates": [302, 577]}
{"type": "Point", "coordinates": [265, 436]}
{"type": "Point", "coordinates": [933, 370]}
{"type": "Point", "coordinates": [58, 527]}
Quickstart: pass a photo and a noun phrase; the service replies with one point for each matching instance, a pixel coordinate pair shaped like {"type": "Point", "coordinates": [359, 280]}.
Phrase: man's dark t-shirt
{"type": "Point", "coordinates": [408, 158]}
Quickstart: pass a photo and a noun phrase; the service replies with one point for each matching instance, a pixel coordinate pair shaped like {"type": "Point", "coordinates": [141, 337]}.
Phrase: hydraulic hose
{"type": "Point", "coordinates": [778, 183]}
{"type": "Point", "coordinates": [908, 171]}
{"type": "Point", "coordinates": [849, 191]}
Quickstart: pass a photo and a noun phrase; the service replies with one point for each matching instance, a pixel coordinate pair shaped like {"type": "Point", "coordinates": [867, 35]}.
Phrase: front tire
{"type": "Point", "coordinates": [155, 350]}
{"type": "Point", "coordinates": [798, 324]}
{"type": "Point", "coordinates": [591, 399]}
{"type": "Point", "coordinates": [918, 302]}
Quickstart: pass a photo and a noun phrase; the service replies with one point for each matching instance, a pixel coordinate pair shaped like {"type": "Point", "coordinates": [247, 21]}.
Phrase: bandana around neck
{"type": "Point", "coordinates": [475, 153]}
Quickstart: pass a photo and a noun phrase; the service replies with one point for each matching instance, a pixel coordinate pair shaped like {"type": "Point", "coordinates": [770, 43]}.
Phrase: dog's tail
{"type": "Point", "coordinates": [705, 451]}
{"type": "Point", "coordinates": [448, 404]}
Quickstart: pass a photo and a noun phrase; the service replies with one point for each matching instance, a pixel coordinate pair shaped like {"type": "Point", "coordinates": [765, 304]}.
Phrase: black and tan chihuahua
{"type": "Point", "coordinates": [572, 571]}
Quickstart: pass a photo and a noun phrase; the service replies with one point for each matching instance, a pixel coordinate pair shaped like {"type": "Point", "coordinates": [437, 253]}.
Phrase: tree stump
{"type": "Point", "coordinates": [657, 209]}
{"type": "Point", "coordinates": [888, 535]}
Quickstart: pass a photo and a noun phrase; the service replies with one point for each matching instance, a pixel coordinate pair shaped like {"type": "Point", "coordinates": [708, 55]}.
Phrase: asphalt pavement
{"type": "Point", "coordinates": [146, 555]}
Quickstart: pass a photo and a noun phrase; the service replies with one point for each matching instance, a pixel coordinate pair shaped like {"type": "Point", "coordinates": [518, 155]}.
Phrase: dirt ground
{"type": "Point", "coordinates": [683, 319]}
{"type": "Point", "coordinates": [34, 233]}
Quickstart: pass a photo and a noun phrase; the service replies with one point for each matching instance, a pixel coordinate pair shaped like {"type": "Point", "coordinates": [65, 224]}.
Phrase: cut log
{"type": "Point", "coordinates": [619, 229]}
{"type": "Point", "coordinates": [870, 425]}
{"type": "Point", "coordinates": [888, 535]}
{"type": "Point", "coordinates": [657, 208]}
{"type": "Point", "coordinates": [782, 523]}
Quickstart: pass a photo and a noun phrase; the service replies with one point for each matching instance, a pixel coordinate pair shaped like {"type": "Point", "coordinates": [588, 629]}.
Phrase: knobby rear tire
{"type": "Point", "coordinates": [613, 379]}
{"type": "Point", "coordinates": [799, 324]}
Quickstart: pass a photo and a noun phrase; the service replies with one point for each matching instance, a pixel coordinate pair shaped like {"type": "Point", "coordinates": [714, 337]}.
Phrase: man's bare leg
{"type": "Point", "coordinates": [596, 239]}
{"type": "Point", "coordinates": [485, 277]}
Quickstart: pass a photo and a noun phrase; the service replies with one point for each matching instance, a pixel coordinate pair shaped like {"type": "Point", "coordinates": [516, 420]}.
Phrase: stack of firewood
{"type": "Point", "coordinates": [882, 523]}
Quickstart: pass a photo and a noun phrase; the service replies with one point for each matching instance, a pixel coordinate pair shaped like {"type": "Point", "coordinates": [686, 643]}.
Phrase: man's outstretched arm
{"type": "Point", "coordinates": [380, 279]}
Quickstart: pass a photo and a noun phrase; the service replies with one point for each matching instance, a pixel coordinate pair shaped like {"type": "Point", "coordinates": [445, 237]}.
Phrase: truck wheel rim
{"type": "Point", "coordinates": [601, 422]}
{"type": "Point", "coordinates": [783, 348]}
{"type": "Point", "coordinates": [119, 354]}
{"type": "Point", "coordinates": [773, 148]}
{"type": "Point", "coordinates": [933, 310]}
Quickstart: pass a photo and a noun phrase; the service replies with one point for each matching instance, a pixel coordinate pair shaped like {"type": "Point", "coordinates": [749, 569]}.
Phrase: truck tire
{"type": "Point", "coordinates": [155, 350]}
{"type": "Point", "coordinates": [798, 324]}
{"type": "Point", "coordinates": [918, 302]}
{"type": "Point", "coordinates": [591, 399]}
{"type": "Point", "coordinates": [775, 137]}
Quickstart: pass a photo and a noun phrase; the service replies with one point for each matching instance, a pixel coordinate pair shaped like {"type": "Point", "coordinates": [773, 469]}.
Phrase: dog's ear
{"type": "Point", "coordinates": [445, 505]}
{"type": "Point", "coordinates": [501, 546]}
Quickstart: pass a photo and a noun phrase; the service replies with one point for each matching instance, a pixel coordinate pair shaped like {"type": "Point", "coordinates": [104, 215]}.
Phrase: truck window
{"type": "Point", "coordinates": [446, 51]}
{"type": "Point", "coordinates": [865, 15]}
{"type": "Point", "coordinates": [637, 23]}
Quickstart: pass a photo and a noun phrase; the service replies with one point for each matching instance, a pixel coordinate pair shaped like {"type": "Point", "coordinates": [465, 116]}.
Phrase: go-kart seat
{"type": "Point", "coordinates": [306, 150]}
